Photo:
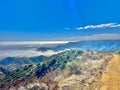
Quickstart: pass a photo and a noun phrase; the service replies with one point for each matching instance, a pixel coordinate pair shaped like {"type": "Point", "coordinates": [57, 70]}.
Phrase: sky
{"type": "Point", "coordinates": [56, 19]}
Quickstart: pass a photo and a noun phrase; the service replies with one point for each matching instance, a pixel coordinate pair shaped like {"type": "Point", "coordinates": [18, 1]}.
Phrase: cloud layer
{"type": "Point", "coordinates": [93, 37]}
{"type": "Point", "coordinates": [102, 37]}
{"type": "Point", "coordinates": [108, 25]}
{"type": "Point", "coordinates": [25, 53]}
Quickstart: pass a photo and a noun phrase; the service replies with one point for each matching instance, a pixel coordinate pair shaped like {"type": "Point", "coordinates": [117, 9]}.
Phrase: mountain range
{"type": "Point", "coordinates": [83, 65]}
{"type": "Point", "coordinates": [99, 45]}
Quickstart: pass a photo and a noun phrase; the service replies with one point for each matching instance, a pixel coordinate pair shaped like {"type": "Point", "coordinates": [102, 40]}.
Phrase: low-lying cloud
{"type": "Point", "coordinates": [25, 53]}
{"type": "Point", "coordinates": [27, 48]}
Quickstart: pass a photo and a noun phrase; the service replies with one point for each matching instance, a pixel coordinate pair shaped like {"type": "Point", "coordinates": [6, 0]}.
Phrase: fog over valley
{"type": "Point", "coordinates": [27, 48]}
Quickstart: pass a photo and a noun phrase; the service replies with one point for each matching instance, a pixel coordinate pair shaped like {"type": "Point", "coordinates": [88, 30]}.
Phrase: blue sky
{"type": "Point", "coordinates": [47, 19]}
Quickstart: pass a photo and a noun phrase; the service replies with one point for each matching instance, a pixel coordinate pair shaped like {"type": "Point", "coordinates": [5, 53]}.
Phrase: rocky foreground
{"type": "Point", "coordinates": [70, 70]}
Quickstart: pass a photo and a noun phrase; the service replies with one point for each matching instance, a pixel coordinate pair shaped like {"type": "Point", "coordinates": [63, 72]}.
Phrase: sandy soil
{"type": "Point", "coordinates": [111, 78]}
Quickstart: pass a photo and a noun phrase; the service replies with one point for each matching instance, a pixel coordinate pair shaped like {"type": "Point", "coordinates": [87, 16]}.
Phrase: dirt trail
{"type": "Point", "coordinates": [111, 78]}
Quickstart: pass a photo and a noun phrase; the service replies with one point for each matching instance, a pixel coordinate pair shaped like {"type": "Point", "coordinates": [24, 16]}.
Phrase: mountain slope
{"type": "Point", "coordinates": [70, 70]}
{"type": "Point", "coordinates": [13, 63]}
{"type": "Point", "coordinates": [50, 64]}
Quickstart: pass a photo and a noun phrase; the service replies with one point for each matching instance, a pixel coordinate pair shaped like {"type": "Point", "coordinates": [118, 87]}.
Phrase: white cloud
{"type": "Point", "coordinates": [107, 25]}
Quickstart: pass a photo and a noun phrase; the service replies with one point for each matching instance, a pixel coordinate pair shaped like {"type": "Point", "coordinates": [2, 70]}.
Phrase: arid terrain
{"type": "Point", "coordinates": [69, 70]}
{"type": "Point", "coordinates": [110, 78]}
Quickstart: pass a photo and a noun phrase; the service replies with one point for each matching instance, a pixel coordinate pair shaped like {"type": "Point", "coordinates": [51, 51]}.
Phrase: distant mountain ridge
{"type": "Point", "coordinates": [44, 49]}
{"type": "Point", "coordinates": [92, 45]}
{"type": "Point", "coordinates": [99, 45]}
